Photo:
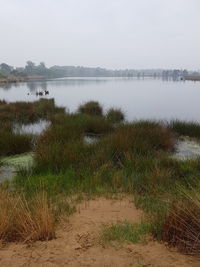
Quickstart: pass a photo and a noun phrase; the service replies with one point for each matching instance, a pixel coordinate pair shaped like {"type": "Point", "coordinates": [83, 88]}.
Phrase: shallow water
{"type": "Point", "coordinates": [11, 164]}
{"type": "Point", "coordinates": [139, 98]}
{"type": "Point", "coordinates": [187, 149]}
{"type": "Point", "coordinates": [32, 128]}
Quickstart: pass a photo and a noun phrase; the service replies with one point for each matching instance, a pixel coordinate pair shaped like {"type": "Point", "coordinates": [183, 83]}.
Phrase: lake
{"type": "Point", "coordinates": [139, 98]}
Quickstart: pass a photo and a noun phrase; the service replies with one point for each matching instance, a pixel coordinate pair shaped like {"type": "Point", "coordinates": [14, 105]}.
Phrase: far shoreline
{"type": "Point", "coordinates": [194, 78]}
{"type": "Point", "coordinates": [20, 79]}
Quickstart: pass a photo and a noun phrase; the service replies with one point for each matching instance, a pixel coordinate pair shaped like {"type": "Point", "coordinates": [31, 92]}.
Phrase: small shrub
{"type": "Point", "coordinates": [115, 115]}
{"type": "Point", "coordinates": [91, 108]}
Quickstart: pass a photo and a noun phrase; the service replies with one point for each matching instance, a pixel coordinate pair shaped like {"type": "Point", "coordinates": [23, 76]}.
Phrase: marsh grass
{"type": "Point", "coordinates": [182, 226]}
{"type": "Point", "coordinates": [25, 220]}
{"type": "Point", "coordinates": [115, 115]}
{"type": "Point", "coordinates": [14, 143]}
{"type": "Point", "coordinates": [91, 108]}
{"type": "Point", "coordinates": [134, 140]}
{"type": "Point", "coordinates": [128, 158]}
{"type": "Point", "coordinates": [191, 129]}
{"type": "Point", "coordinates": [97, 126]}
{"type": "Point", "coordinates": [125, 232]}
{"type": "Point", "coordinates": [62, 145]}
{"type": "Point", "coordinates": [28, 112]}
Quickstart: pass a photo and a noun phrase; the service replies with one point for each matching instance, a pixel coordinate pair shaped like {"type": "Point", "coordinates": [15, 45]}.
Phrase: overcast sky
{"type": "Point", "coordinates": [107, 33]}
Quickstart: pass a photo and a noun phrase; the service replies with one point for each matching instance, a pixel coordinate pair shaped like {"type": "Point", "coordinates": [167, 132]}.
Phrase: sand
{"type": "Point", "coordinates": [78, 244]}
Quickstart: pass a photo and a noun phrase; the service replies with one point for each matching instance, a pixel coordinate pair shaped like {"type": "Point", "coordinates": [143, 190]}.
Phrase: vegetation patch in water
{"type": "Point", "coordinates": [28, 112]}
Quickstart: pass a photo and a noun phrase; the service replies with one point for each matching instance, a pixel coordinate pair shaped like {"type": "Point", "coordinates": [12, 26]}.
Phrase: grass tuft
{"type": "Point", "coordinates": [25, 220]}
{"type": "Point", "coordinates": [182, 226]}
{"type": "Point", "coordinates": [115, 115]}
{"type": "Point", "coordinates": [14, 143]}
{"type": "Point", "coordinates": [191, 129]}
{"type": "Point", "coordinates": [91, 108]}
{"type": "Point", "coordinates": [126, 232]}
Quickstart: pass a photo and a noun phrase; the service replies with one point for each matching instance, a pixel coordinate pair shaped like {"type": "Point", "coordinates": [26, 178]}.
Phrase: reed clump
{"type": "Point", "coordinates": [91, 108]}
{"type": "Point", "coordinates": [182, 226]}
{"type": "Point", "coordinates": [191, 129]}
{"type": "Point", "coordinates": [24, 112]}
{"type": "Point", "coordinates": [99, 126]}
{"type": "Point", "coordinates": [138, 139]}
{"type": "Point", "coordinates": [115, 115]}
{"type": "Point", "coordinates": [25, 220]}
{"type": "Point", "coordinates": [14, 143]}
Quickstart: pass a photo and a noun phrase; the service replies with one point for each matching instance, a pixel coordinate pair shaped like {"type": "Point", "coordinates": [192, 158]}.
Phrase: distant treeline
{"type": "Point", "coordinates": [31, 70]}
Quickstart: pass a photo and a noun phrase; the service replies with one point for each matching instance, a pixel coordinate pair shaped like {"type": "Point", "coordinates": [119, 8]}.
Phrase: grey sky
{"type": "Point", "coordinates": [106, 33]}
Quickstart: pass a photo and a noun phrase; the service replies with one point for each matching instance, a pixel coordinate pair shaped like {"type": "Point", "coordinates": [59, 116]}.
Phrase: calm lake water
{"type": "Point", "coordinates": [139, 98]}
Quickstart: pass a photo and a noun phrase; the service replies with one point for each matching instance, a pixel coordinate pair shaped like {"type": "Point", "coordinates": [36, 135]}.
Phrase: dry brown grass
{"type": "Point", "coordinates": [25, 220]}
{"type": "Point", "coordinates": [182, 228]}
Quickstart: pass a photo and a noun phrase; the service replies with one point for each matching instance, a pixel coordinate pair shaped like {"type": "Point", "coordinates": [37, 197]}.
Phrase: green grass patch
{"type": "Point", "coordinates": [126, 232]}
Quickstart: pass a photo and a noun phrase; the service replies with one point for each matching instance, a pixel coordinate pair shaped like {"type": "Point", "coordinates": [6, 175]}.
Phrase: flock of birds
{"type": "Point", "coordinates": [41, 93]}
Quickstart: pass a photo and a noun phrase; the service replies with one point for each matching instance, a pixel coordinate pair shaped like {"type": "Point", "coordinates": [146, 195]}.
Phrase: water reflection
{"type": "Point", "coordinates": [8, 86]}
{"type": "Point", "coordinates": [38, 86]}
{"type": "Point", "coordinates": [173, 78]}
{"type": "Point", "coordinates": [162, 98]}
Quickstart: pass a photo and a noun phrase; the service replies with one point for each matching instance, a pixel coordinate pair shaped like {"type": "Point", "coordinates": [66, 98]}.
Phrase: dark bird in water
{"type": "Point", "coordinates": [39, 93]}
